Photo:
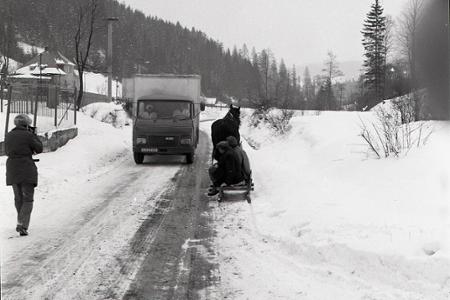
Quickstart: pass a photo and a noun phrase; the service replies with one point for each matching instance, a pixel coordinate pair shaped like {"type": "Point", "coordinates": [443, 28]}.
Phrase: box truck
{"type": "Point", "coordinates": [165, 112]}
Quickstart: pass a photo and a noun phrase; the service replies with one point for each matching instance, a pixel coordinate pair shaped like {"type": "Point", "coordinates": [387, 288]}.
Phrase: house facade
{"type": "Point", "coordinates": [51, 66]}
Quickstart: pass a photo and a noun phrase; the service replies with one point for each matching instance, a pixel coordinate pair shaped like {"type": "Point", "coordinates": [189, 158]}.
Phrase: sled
{"type": "Point", "coordinates": [236, 191]}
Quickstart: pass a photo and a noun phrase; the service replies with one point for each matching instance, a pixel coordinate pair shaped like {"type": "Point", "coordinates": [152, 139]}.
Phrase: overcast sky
{"type": "Point", "coordinates": [300, 31]}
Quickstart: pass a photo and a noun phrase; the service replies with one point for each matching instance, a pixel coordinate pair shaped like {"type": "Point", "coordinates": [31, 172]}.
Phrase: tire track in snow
{"type": "Point", "coordinates": [180, 263]}
{"type": "Point", "coordinates": [58, 268]}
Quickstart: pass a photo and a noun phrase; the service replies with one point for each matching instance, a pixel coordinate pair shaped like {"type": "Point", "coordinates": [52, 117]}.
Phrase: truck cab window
{"type": "Point", "coordinates": [164, 109]}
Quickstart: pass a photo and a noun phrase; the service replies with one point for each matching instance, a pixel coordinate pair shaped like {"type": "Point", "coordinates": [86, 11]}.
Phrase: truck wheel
{"type": "Point", "coordinates": [138, 158]}
{"type": "Point", "coordinates": [190, 158]}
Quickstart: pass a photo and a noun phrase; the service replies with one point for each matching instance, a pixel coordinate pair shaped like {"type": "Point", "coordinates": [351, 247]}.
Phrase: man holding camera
{"type": "Point", "coordinates": [21, 172]}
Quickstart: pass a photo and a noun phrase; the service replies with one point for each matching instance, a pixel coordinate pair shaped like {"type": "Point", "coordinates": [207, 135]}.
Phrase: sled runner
{"type": "Point", "coordinates": [236, 191]}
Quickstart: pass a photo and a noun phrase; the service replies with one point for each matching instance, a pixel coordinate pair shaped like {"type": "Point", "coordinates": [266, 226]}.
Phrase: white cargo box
{"type": "Point", "coordinates": [150, 85]}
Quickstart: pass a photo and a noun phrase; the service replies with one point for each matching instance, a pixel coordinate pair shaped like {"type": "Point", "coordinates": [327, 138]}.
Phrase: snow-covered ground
{"type": "Point", "coordinates": [90, 201]}
{"type": "Point", "coordinates": [98, 83]}
{"type": "Point", "coordinates": [328, 221]}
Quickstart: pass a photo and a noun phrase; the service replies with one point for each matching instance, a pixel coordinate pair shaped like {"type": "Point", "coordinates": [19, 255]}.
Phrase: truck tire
{"type": "Point", "coordinates": [138, 158]}
{"type": "Point", "coordinates": [189, 158]}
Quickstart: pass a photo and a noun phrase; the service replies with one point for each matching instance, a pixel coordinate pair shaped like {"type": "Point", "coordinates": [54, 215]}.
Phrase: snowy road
{"type": "Point", "coordinates": [135, 234]}
{"type": "Point", "coordinates": [180, 259]}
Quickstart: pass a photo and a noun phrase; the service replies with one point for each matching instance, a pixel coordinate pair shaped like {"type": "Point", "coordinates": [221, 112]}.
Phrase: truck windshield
{"type": "Point", "coordinates": [164, 109]}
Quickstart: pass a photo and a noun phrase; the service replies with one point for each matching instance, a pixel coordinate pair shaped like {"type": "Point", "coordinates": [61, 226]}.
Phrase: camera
{"type": "Point", "coordinates": [31, 129]}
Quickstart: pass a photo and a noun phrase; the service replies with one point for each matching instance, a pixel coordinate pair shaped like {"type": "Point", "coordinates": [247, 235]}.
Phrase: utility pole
{"type": "Point", "coordinates": [39, 89]}
{"type": "Point", "coordinates": [109, 55]}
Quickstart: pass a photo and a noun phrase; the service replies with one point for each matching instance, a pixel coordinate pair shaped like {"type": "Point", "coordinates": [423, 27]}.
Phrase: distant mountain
{"type": "Point", "coordinates": [351, 69]}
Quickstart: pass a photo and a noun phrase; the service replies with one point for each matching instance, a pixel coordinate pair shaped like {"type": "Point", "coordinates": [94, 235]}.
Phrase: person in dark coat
{"type": "Point", "coordinates": [242, 157]}
{"type": "Point", "coordinates": [228, 169]}
{"type": "Point", "coordinates": [21, 143]}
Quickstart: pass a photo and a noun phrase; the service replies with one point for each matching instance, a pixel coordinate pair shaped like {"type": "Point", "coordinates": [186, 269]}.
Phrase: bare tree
{"type": "Point", "coordinates": [331, 68]}
{"type": "Point", "coordinates": [389, 36]}
{"type": "Point", "coordinates": [7, 37]}
{"type": "Point", "coordinates": [433, 63]}
{"type": "Point", "coordinates": [408, 34]}
{"type": "Point", "coordinates": [8, 43]}
{"type": "Point", "coordinates": [87, 16]}
{"type": "Point", "coordinates": [326, 99]}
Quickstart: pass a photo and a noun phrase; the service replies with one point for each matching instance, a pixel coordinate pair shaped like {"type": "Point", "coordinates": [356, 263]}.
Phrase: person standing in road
{"type": "Point", "coordinates": [21, 143]}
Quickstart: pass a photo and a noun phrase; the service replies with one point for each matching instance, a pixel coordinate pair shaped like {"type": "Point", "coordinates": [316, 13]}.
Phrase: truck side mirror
{"type": "Point", "coordinates": [202, 106]}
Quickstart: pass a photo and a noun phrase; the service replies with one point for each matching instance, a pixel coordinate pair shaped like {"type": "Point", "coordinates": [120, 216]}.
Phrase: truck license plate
{"type": "Point", "coordinates": [149, 150]}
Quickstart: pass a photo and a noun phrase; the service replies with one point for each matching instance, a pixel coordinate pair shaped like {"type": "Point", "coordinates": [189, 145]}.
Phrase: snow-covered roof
{"type": "Point", "coordinates": [47, 71]}
{"type": "Point", "coordinates": [53, 59]}
{"type": "Point", "coordinates": [49, 63]}
{"type": "Point", "coordinates": [29, 76]}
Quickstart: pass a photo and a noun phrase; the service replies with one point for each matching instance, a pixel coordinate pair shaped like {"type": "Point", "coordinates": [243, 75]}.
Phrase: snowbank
{"type": "Point", "coordinates": [321, 202]}
{"type": "Point", "coordinates": [107, 112]}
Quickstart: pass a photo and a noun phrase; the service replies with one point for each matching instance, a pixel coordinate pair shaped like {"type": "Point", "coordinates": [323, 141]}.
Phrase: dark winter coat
{"type": "Point", "coordinates": [229, 169]}
{"type": "Point", "coordinates": [242, 157]}
{"type": "Point", "coordinates": [20, 145]}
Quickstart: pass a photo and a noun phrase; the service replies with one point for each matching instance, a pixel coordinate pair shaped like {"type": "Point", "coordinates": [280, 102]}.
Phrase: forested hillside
{"type": "Point", "coordinates": [151, 45]}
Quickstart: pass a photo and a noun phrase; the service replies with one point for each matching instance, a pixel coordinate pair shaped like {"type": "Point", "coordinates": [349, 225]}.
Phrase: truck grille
{"type": "Point", "coordinates": [163, 141]}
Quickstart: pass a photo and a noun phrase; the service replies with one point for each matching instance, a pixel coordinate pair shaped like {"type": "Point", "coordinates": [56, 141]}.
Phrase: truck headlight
{"type": "Point", "coordinates": [141, 140]}
{"type": "Point", "coordinates": [185, 140]}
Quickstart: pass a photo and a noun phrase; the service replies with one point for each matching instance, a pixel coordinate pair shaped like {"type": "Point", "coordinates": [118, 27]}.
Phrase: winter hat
{"type": "Point", "coordinates": [22, 120]}
{"type": "Point", "coordinates": [232, 141]}
{"type": "Point", "coordinates": [223, 145]}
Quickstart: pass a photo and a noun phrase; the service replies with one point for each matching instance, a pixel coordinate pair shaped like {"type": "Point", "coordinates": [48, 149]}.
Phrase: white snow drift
{"type": "Point", "coordinates": [330, 222]}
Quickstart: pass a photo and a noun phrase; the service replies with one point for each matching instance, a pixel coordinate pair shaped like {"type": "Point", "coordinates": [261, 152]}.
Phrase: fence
{"type": "Point", "coordinates": [51, 105]}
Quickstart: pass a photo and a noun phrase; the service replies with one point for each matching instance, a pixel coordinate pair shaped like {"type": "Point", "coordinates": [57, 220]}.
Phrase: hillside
{"type": "Point", "coordinates": [140, 42]}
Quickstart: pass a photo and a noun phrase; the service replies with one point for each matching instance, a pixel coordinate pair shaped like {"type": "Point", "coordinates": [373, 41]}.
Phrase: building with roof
{"type": "Point", "coordinates": [49, 66]}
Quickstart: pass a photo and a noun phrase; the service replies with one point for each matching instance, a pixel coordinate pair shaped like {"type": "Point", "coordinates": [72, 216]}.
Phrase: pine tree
{"type": "Point", "coordinates": [308, 87]}
{"type": "Point", "coordinates": [374, 32]}
{"type": "Point", "coordinates": [283, 84]}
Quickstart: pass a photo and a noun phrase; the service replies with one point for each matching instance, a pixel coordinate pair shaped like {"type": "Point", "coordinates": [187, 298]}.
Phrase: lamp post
{"type": "Point", "coordinates": [110, 21]}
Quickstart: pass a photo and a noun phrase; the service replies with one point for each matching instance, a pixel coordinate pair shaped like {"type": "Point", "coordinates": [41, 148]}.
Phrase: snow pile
{"type": "Point", "coordinates": [96, 145]}
{"type": "Point", "coordinates": [108, 112]}
{"type": "Point", "coordinates": [329, 223]}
